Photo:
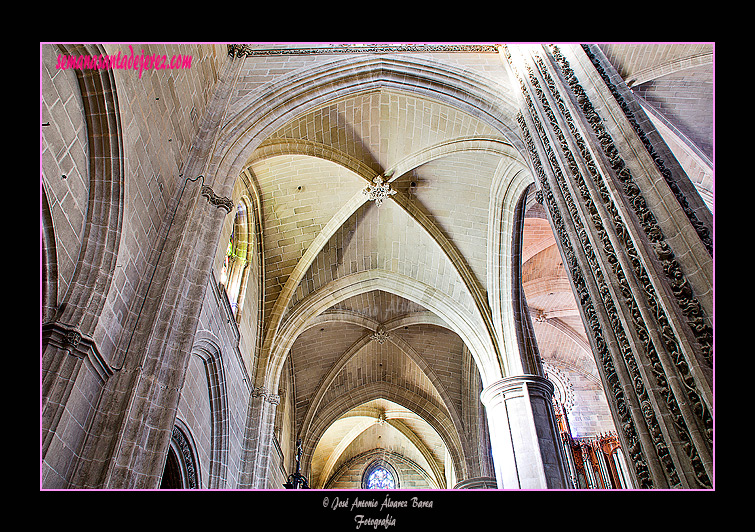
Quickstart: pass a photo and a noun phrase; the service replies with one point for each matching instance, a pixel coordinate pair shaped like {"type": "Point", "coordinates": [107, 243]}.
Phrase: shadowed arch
{"type": "Point", "coordinates": [301, 91]}
{"type": "Point", "coordinates": [296, 93]}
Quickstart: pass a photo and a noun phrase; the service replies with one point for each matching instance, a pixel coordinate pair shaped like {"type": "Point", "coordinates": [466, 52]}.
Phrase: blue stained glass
{"type": "Point", "coordinates": [380, 479]}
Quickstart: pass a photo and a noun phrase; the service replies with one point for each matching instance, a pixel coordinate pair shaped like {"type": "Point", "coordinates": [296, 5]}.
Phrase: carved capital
{"type": "Point", "coordinates": [259, 391]}
{"type": "Point", "coordinates": [263, 392]}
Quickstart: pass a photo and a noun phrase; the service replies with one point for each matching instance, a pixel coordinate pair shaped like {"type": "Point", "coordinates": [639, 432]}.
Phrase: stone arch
{"type": "Point", "coordinates": [509, 191]}
{"type": "Point", "coordinates": [477, 342]}
{"type": "Point", "coordinates": [408, 351]}
{"type": "Point", "coordinates": [207, 349]}
{"type": "Point", "coordinates": [82, 305]}
{"type": "Point", "coordinates": [180, 459]}
{"type": "Point", "coordinates": [274, 147]}
{"type": "Point", "coordinates": [49, 262]}
{"type": "Point", "coordinates": [299, 91]}
{"type": "Point", "coordinates": [435, 416]}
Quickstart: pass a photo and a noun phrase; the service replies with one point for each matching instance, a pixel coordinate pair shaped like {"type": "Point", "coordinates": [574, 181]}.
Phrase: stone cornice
{"type": "Point", "coordinates": [70, 339]}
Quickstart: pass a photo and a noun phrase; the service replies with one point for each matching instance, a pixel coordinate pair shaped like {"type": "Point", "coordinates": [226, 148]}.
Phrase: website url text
{"type": "Point", "coordinates": [140, 62]}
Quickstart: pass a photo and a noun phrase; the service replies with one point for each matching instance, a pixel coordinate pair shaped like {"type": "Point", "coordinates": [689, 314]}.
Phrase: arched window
{"type": "Point", "coordinates": [235, 264]}
{"type": "Point", "coordinates": [380, 475]}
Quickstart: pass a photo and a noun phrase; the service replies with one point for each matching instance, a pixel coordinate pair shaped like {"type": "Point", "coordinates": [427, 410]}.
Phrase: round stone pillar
{"type": "Point", "coordinates": [523, 433]}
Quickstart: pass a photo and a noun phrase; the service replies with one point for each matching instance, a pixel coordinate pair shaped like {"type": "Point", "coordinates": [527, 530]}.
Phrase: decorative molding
{"type": "Point", "coordinates": [76, 344]}
{"type": "Point", "coordinates": [246, 50]}
{"type": "Point", "coordinates": [698, 407]}
{"type": "Point", "coordinates": [603, 355]}
{"type": "Point", "coordinates": [680, 286]}
{"type": "Point", "coordinates": [634, 449]}
{"type": "Point", "coordinates": [188, 458]}
{"type": "Point", "coordinates": [632, 365]}
{"type": "Point", "coordinates": [562, 384]}
{"type": "Point", "coordinates": [218, 201]}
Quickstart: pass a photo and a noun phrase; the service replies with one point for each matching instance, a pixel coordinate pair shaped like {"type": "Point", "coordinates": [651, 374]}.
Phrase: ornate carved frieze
{"type": "Point", "coordinates": [667, 336]}
{"type": "Point", "coordinates": [218, 201]}
{"type": "Point", "coordinates": [188, 458]}
{"type": "Point", "coordinates": [680, 286]}
{"type": "Point", "coordinates": [244, 50]}
{"type": "Point", "coordinates": [702, 231]}
{"type": "Point", "coordinates": [603, 356]}
{"type": "Point", "coordinates": [629, 431]}
{"type": "Point", "coordinates": [631, 364]}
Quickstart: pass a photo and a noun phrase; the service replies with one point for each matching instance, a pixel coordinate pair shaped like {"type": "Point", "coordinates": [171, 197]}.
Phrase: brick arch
{"type": "Point", "coordinates": [406, 350]}
{"type": "Point", "coordinates": [285, 297]}
{"type": "Point", "coordinates": [301, 91]}
{"type": "Point", "coordinates": [274, 147]}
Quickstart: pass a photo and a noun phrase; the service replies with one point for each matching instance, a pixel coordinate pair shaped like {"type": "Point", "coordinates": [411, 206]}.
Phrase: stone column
{"type": "Point", "coordinates": [130, 432]}
{"type": "Point", "coordinates": [258, 440]}
{"type": "Point", "coordinates": [637, 249]}
{"type": "Point", "coordinates": [523, 433]}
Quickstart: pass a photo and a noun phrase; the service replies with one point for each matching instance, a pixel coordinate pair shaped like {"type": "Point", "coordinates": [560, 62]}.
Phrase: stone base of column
{"type": "Point", "coordinates": [523, 433]}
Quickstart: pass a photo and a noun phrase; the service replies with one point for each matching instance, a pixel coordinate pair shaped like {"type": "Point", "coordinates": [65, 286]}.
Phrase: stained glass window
{"type": "Point", "coordinates": [380, 479]}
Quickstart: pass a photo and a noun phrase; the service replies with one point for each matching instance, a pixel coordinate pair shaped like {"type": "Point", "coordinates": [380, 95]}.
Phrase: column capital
{"type": "Point", "coordinates": [476, 483]}
{"type": "Point", "coordinates": [515, 385]}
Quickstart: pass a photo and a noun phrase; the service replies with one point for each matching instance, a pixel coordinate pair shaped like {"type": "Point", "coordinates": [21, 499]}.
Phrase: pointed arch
{"type": "Point", "coordinates": [82, 305]}
{"type": "Point", "coordinates": [207, 349]}
{"type": "Point", "coordinates": [313, 305]}
{"type": "Point", "coordinates": [433, 415]}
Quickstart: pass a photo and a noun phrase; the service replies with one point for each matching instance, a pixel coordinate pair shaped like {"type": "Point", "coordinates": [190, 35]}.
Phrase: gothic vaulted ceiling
{"type": "Point", "coordinates": [377, 370]}
{"type": "Point", "coordinates": [308, 171]}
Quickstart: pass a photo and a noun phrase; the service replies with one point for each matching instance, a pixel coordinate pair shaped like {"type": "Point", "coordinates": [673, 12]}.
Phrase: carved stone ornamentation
{"type": "Point", "coordinates": [702, 231]}
{"type": "Point", "coordinates": [633, 301]}
{"type": "Point", "coordinates": [188, 457]}
{"type": "Point", "coordinates": [380, 336]}
{"type": "Point", "coordinates": [244, 50]}
{"type": "Point", "coordinates": [218, 201]}
{"type": "Point", "coordinates": [263, 392]}
{"type": "Point", "coordinates": [379, 191]}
